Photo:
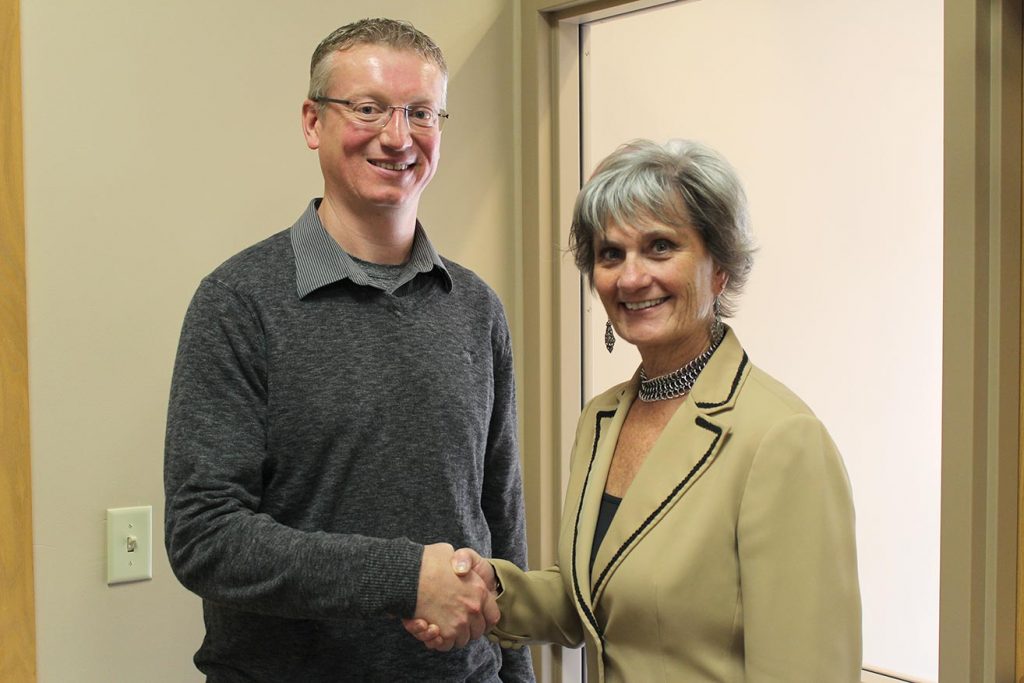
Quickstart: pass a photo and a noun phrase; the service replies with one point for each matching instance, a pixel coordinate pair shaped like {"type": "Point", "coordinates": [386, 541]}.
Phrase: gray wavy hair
{"type": "Point", "coordinates": [394, 33]}
{"type": "Point", "coordinates": [679, 183]}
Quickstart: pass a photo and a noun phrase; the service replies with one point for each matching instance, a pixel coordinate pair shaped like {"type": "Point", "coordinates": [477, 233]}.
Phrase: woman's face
{"type": "Point", "coordinates": [658, 285]}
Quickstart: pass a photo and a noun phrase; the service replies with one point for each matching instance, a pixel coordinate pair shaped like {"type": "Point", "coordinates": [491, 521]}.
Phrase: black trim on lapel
{"type": "Point", "coordinates": [732, 389]}
{"type": "Point", "coordinates": [701, 422]}
{"type": "Point", "coordinates": [601, 415]}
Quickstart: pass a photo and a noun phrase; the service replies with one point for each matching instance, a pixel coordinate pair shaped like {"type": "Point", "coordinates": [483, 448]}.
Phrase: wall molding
{"type": "Point", "coordinates": [17, 608]}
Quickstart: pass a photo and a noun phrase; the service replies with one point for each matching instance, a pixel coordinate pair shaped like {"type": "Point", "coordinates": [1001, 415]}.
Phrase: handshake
{"type": "Point", "coordinates": [456, 599]}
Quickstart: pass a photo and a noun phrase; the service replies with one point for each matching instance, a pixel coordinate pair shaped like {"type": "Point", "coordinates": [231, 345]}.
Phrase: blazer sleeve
{"type": "Point", "coordinates": [798, 560]}
{"type": "Point", "coordinates": [534, 608]}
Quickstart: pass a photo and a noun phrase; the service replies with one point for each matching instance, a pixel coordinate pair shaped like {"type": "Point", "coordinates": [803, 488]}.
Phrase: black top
{"type": "Point", "coordinates": [609, 506]}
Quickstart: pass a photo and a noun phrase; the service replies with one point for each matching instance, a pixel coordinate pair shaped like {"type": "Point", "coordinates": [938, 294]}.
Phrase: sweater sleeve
{"type": "Point", "coordinates": [220, 545]}
{"type": "Point", "coordinates": [502, 494]}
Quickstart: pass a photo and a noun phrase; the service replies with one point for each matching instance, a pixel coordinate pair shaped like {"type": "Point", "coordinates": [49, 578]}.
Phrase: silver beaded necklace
{"type": "Point", "coordinates": [677, 382]}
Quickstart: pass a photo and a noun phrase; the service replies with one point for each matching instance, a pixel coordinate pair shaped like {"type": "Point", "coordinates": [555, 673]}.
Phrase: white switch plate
{"type": "Point", "coordinates": [129, 544]}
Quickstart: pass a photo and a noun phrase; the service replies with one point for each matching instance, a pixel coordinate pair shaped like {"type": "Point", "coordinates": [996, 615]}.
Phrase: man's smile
{"type": "Point", "coordinates": [392, 166]}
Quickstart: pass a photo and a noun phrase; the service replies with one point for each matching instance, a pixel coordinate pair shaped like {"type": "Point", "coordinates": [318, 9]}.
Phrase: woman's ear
{"type": "Point", "coordinates": [720, 280]}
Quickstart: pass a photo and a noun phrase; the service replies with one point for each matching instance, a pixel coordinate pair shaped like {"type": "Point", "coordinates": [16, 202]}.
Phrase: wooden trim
{"type": "Point", "coordinates": [17, 607]}
{"type": "Point", "coordinates": [1019, 634]}
{"type": "Point", "coordinates": [1020, 501]}
{"type": "Point", "coordinates": [1019, 668]}
{"type": "Point", "coordinates": [581, 11]}
{"type": "Point", "coordinates": [537, 358]}
{"type": "Point", "coordinates": [981, 340]}
{"type": "Point", "coordinates": [549, 392]}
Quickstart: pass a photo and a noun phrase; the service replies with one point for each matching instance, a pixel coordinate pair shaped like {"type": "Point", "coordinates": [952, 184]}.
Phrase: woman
{"type": "Point", "coordinates": [708, 529]}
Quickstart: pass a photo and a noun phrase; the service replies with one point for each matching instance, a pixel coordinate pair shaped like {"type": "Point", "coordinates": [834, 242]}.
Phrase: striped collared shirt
{"type": "Point", "coordinates": [320, 261]}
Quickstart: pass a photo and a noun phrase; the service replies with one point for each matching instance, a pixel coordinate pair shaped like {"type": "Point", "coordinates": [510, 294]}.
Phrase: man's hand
{"type": "Point", "coordinates": [451, 609]}
{"type": "Point", "coordinates": [467, 564]}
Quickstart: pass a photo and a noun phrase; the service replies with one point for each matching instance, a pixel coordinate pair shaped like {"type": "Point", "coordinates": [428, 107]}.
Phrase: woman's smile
{"type": "Point", "coordinates": [641, 305]}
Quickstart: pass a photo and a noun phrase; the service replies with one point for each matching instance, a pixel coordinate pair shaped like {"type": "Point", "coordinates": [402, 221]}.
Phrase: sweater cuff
{"type": "Point", "coordinates": [391, 577]}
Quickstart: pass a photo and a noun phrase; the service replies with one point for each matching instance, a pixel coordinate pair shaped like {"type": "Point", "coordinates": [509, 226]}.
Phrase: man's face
{"type": "Point", "coordinates": [373, 169]}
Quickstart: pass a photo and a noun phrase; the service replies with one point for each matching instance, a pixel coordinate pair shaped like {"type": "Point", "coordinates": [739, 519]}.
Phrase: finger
{"type": "Point", "coordinates": [464, 560]}
{"type": "Point", "coordinates": [491, 612]}
{"type": "Point", "coordinates": [421, 630]}
{"type": "Point", "coordinates": [445, 645]}
{"type": "Point", "coordinates": [465, 633]}
{"type": "Point", "coordinates": [477, 626]}
{"type": "Point", "coordinates": [485, 572]}
{"type": "Point", "coordinates": [440, 644]}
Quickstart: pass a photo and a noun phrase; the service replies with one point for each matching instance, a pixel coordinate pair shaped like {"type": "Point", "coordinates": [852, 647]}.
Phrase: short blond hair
{"type": "Point", "coordinates": [394, 33]}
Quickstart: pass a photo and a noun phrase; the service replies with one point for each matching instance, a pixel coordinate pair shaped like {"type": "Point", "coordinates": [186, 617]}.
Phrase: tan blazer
{"type": "Point", "coordinates": [731, 558]}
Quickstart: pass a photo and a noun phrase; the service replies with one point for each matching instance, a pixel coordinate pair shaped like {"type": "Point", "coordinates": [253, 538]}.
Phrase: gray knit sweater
{"type": "Point", "coordinates": [316, 442]}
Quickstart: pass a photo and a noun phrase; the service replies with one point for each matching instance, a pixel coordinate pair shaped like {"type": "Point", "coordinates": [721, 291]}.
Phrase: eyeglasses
{"type": "Point", "coordinates": [372, 114]}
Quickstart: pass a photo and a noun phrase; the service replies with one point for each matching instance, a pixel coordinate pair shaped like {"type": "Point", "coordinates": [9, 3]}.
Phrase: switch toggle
{"type": "Point", "coordinates": [129, 544]}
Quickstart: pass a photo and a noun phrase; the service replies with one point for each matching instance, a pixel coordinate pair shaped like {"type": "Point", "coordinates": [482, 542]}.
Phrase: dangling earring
{"type": "Point", "coordinates": [717, 328]}
{"type": "Point", "coordinates": [609, 336]}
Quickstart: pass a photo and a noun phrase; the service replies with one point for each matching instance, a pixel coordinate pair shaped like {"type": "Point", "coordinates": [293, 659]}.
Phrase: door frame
{"type": "Point", "coordinates": [981, 384]}
{"type": "Point", "coordinates": [17, 608]}
{"type": "Point", "coordinates": [982, 390]}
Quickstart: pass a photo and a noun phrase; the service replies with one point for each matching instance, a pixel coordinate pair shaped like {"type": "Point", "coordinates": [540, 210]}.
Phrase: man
{"type": "Point", "coordinates": [343, 408]}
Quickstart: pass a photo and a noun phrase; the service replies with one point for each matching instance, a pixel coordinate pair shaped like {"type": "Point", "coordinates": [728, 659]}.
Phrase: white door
{"type": "Point", "coordinates": [832, 114]}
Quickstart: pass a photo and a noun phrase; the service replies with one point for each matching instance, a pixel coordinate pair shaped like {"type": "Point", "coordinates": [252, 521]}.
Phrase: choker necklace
{"type": "Point", "coordinates": [677, 382]}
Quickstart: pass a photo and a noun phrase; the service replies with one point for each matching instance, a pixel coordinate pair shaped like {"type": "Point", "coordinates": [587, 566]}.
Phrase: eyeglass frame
{"type": "Point", "coordinates": [441, 114]}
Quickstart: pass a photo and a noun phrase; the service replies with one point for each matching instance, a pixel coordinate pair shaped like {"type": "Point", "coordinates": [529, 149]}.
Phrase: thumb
{"type": "Point", "coordinates": [463, 560]}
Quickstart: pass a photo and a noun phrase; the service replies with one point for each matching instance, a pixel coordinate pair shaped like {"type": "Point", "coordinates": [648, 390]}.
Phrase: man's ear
{"type": "Point", "coordinates": [311, 123]}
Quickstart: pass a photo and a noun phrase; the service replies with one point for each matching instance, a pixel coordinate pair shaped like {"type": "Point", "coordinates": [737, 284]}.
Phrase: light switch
{"type": "Point", "coordinates": [129, 544]}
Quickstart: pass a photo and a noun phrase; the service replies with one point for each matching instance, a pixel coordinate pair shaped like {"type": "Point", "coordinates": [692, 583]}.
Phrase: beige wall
{"type": "Point", "coordinates": [160, 138]}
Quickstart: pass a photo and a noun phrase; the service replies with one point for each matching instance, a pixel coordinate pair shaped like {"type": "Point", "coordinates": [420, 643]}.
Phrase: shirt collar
{"type": "Point", "coordinates": [320, 261]}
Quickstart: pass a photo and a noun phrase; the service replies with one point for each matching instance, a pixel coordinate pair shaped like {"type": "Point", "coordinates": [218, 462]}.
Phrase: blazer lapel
{"type": "Point", "coordinates": [686, 448]}
{"type": "Point", "coordinates": [605, 418]}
